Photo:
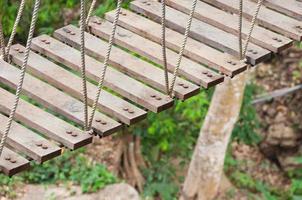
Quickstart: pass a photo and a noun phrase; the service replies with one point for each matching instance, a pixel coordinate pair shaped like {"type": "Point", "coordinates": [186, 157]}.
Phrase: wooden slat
{"type": "Point", "coordinates": [229, 22]}
{"type": "Point", "coordinates": [292, 8]}
{"type": "Point", "coordinates": [267, 18]}
{"type": "Point", "coordinates": [38, 119]}
{"type": "Point", "coordinates": [152, 51]}
{"type": "Point", "coordinates": [120, 83]}
{"type": "Point", "coordinates": [71, 84]}
{"type": "Point", "coordinates": [13, 166]}
{"type": "Point", "coordinates": [200, 31]}
{"type": "Point", "coordinates": [195, 50]}
{"type": "Point", "coordinates": [28, 142]}
{"type": "Point", "coordinates": [55, 100]}
{"type": "Point", "coordinates": [135, 67]}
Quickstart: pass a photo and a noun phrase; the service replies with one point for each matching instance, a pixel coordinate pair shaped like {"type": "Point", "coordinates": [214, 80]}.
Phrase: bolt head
{"type": "Point", "coordinates": [125, 109]}
{"type": "Point", "coordinates": [103, 123]}
{"type": "Point", "coordinates": [74, 134]}
{"type": "Point", "coordinates": [153, 95]}
{"type": "Point", "coordinates": [180, 84]}
{"type": "Point", "coordinates": [13, 160]}
{"type": "Point", "coordinates": [186, 86]}
{"type": "Point", "coordinates": [98, 120]}
{"type": "Point", "coordinates": [210, 75]}
{"type": "Point", "coordinates": [205, 72]}
{"type": "Point", "coordinates": [7, 157]}
{"type": "Point", "coordinates": [44, 146]}
{"type": "Point", "coordinates": [158, 98]}
{"type": "Point", "coordinates": [69, 132]}
{"type": "Point", "coordinates": [38, 144]}
{"type": "Point", "coordinates": [131, 111]}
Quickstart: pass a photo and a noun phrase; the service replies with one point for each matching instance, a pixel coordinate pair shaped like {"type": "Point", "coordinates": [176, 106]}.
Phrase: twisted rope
{"type": "Point", "coordinates": [259, 4]}
{"type": "Point", "coordinates": [180, 55]}
{"type": "Point", "coordinates": [163, 42]}
{"type": "Point", "coordinates": [2, 41]}
{"type": "Point", "coordinates": [22, 75]}
{"type": "Point", "coordinates": [240, 29]}
{"type": "Point", "coordinates": [83, 67]}
{"type": "Point", "coordinates": [14, 31]}
{"type": "Point", "coordinates": [90, 11]}
{"type": "Point", "coordinates": [110, 44]}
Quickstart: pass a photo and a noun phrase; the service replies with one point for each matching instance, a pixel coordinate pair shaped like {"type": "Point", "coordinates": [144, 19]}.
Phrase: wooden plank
{"type": "Point", "coordinates": [55, 100]}
{"type": "Point", "coordinates": [268, 18]}
{"type": "Point", "coordinates": [200, 31]}
{"type": "Point", "coordinates": [152, 51]}
{"type": "Point", "coordinates": [194, 50]}
{"type": "Point", "coordinates": [292, 8]}
{"type": "Point", "coordinates": [28, 142]}
{"type": "Point", "coordinates": [38, 119]}
{"type": "Point", "coordinates": [134, 67]}
{"type": "Point", "coordinates": [229, 22]}
{"type": "Point", "coordinates": [11, 163]}
{"type": "Point", "coordinates": [120, 83]}
{"type": "Point", "coordinates": [71, 84]}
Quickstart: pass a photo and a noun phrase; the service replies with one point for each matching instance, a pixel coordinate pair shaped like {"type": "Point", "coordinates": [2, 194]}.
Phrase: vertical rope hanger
{"type": "Point", "coordinates": [88, 125]}
{"type": "Point", "coordinates": [22, 74]}
{"type": "Point", "coordinates": [83, 67]}
{"type": "Point", "coordinates": [2, 41]}
{"type": "Point", "coordinates": [242, 53]}
{"type": "Point", "coordinates": [183, 46]}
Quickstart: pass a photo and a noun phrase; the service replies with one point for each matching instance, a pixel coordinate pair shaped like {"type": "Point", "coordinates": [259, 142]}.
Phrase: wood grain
{"type": "Point", "coordinates": [117, 81]}
{"type": "Point", "coordinates": [229, 22]}
{"type": "Point", "coordinates": [55, 100]}
{"type": "Point", "coordinates": [152, 51]}
{"type": "Point", "coordinates": [194, 50]}
{"type": "Point", "coordinates": [267, 18]}
{"type": "Point", "coordinates": [72, 84]}
{"type": "Point", "coordinates": [200, 31]}
{"type": "Point", "coordinates": [29, 143]}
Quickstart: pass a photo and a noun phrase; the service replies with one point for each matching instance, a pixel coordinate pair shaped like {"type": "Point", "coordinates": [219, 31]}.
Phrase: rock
{"type": "Point", "coordinates": [120, 191]}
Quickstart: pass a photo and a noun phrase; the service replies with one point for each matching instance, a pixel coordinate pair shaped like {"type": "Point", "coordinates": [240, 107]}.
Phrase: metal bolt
{"type": "Point", "coordinates": [74, 134]}
{"type": "Point", "coordinates": [205, 72]}
{"type": "Point", "coordinates": [16, 49]}
{"type": "Point", "coordinates": [131, 111]}
{"type": "Point", "coordinates": [158, 98]}
{"type": "Point", "coordinates": [72, 33]}
{"type": "Point", "coordinates": [13, 160]}
{"type": "Point", "coordinates": [103, 123]}
{"type": "Point", "coordinates": [44, 146]}
{"type": "Point", "coordinates": [125, 109]}
{"type": "Point", "coordinates": [7, 157]}
{"type": "Point", "coordinates": [279, 40]}
{"type": "Point", "coordinates": [210, 75]}
{"type": "Point", "coordinates": [66, 30]}
{"type": "Point", "coordinates": [69, 132]}
{"type": "Point", "coordinates": [20, 51]}
{"type": "Point", "coordinates": [180, 84]}
{"type": "Point", "coordinates": [97, 22]}
{"type": "Point", "coordinates": [153, 95]}
{"type": "Point", "coordinates": [38, 144]}
{"type": "Point", "coordinates": [255, 52]}
{"type": "Point", "coordinates": [43, 40]}
{"type": "Point", "coordinates": [47, 42]}
{"type": "Point", "coordinates": [98, 120]}
{"type": "Point", "coordinates": [250, 50]}
{"type": "Point", "coordinates": [186, 86]}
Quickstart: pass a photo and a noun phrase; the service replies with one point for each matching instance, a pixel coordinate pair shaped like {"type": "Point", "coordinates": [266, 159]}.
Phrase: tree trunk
{"type": "Point", "coordinates": [206, 167]}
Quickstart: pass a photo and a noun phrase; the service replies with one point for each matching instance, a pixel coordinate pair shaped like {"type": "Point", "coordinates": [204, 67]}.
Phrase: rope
{"type": "Point", "coordinates": [22, 75]}
{"type": "Point", "coordinates": [110, 44]}
{"type": "Point", "coordinates": [180, 55]}
{"type": "Point", "coordinates": [163, 42]}
{"type": "Point", "coordinates": [14, 31]}
{"type": "Point", "coordinates": [253, 23]}
{"type": "Point", "coordinates": [90, 11]}
{"type": "Point", "coordinates": [83, 67]}
{"type": "Point", "coordinates": [240, 29]}
{"type": "Point", "coordinates": [2, 41]}
{"type": "Point", "coordinates": [259, 4]}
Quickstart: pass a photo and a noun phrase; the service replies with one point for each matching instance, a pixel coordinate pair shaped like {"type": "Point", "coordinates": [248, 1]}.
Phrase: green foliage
{"type": "Point", "coordinates": [72, 166]}
{"type": "Point", "coordinates": [248, 124]}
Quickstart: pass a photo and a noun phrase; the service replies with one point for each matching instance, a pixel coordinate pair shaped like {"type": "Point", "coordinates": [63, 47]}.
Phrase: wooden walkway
{"type": "Point", "coordinates": [50, 114]}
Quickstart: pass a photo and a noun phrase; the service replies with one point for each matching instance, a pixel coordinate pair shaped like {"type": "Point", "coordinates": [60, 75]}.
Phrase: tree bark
{"type": "Point", "coordinates": [206, 167]}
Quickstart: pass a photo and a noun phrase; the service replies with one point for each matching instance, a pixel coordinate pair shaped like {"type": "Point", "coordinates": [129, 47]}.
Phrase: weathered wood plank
{"type": "Point", "coordinates": [152, 51]}
{"type": "Point", "coordinates": [267, 18]}
{"type": "Point", "coordinates": [28, 142]}
{"type": "Point", "coordinates": [38, 119]}
{"type": "Point", "coordinates": [71, 84]}
{"type": "Point", "coordinates": [195, 50]}
{"type": "Point", "coordinates": [229, 22]}
{"type": "Point", "coordinates": [55, 100]}
{"type": "Point", "coordinates": [120, 83]}
{"type": "Point", "coordinates": [292, 8]}
{"type": "Point", "coordinates": [200, 31]}
{"type": "Point", "coordinates": [11, 163]}
{"type": "Point", "coordinates": [135, 67]}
